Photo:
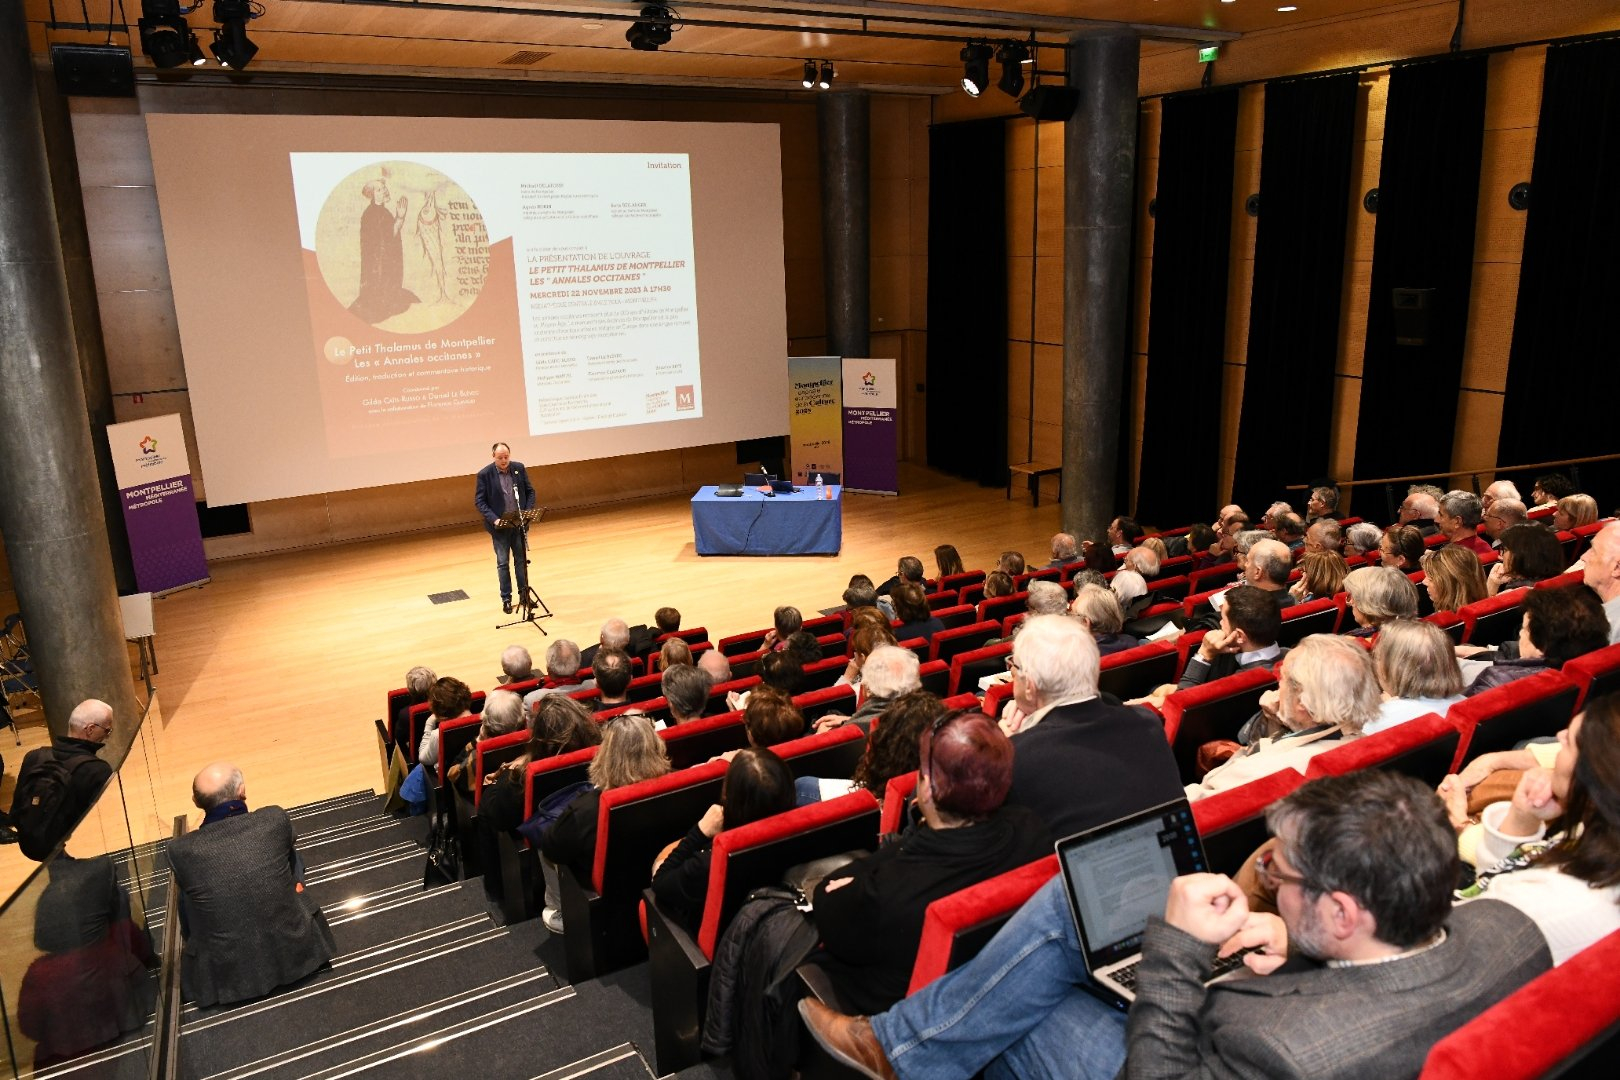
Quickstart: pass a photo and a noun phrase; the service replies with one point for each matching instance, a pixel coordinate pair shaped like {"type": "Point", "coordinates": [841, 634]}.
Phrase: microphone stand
{"type": "Point", "coordinates": [530, 608]}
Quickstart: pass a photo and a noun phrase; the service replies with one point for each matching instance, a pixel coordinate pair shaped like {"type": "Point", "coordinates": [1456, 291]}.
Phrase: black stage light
{"type": "Point", "coordinates": [166, 39]}
{"type": "Point", "coordinates": [825, 82]}
{"type": "Point", "coordinates": [1012, 57]}
{"type": "Point", "coordinates": [809, 74]}
{"type": "Point", "coordinates": [976, 67]}
{"type": "Point", "coordinates": [232, 47]}
{"type": "Point", "coordinates": [653, 29]}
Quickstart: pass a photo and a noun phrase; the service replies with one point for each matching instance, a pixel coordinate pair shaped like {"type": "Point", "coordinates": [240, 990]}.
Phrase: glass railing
{"type": "Point", "coordinates": [80, 933]}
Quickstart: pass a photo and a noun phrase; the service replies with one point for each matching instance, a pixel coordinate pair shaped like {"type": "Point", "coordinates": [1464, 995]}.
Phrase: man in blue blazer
{"type": "Point", "coordinates": [503, 486]}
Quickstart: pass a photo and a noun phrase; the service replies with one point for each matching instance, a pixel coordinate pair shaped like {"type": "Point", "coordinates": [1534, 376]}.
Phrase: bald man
{"type": "Point", "coordinates": [59, 783]}
{"type": "Point", "coordinates": [249, 926]}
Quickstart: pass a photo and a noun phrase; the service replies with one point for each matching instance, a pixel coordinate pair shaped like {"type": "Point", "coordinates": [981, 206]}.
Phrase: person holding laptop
{"type": "Point", "coordinates": [1367, 966]}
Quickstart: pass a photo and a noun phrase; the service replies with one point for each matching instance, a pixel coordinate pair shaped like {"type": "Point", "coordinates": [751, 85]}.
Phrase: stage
{"type": "Point", "coordinates": [281, 662]}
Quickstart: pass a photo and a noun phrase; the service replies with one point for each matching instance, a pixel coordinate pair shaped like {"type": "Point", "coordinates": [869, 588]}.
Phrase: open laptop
{"type": "Point", "coordinates": [1116, 876]}
{"type": "Point", "coordinates": [783, 487]}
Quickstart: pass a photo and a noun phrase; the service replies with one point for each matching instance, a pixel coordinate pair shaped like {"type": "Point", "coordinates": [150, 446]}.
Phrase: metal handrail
{"type": "Point", "coordinates": [164, 1063]}
{"type": "Point", "coordinates": [1476, 473]}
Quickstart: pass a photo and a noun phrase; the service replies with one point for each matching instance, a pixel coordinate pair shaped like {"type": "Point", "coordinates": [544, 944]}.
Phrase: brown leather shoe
{"type": "Point", "coordinates": [848, 1039]}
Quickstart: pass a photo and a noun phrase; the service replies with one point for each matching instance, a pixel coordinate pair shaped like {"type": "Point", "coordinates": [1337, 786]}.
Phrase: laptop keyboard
{"type": "Point", "coordinates": [1126, 976]}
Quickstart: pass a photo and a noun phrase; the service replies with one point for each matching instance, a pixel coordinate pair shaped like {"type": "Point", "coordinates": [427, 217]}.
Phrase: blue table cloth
{"type": "Point", "coordinates": [797, 524]}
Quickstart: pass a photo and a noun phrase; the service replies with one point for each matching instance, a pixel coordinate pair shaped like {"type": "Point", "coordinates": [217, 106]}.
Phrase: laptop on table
{"type": "Point", "coordinates": [1119, 874]}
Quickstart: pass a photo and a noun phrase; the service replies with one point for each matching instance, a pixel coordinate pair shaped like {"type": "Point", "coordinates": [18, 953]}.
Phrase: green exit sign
{"type": "Point", "coordinates": [1208, 53]}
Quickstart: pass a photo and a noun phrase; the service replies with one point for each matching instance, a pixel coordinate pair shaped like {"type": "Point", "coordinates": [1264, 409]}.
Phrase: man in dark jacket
{"type": "Point", "coordinates": [1077, 762]}
{"type": "Point", "coordinates": [88, 727]}
{"type": "Point", "coordinates": [1247, 637]}
{"type": "Point", "coordinates": [249, 925]}
{"type": "Point", "coordinates": [503, 487]}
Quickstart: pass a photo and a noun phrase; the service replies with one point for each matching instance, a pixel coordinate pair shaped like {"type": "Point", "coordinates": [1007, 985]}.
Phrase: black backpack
{"type": "Point", "coordinates": [42, 808]}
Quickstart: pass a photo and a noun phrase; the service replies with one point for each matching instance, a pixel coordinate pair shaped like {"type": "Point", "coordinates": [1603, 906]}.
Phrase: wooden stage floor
{"type": "Point", "coordinates": [281, 662]}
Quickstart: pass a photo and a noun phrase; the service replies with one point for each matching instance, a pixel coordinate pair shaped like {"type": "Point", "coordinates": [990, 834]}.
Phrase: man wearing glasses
{"type": "Point", "coordinates": [1366, 967]}
{"type": "Point", "coordinates": [58, 783]}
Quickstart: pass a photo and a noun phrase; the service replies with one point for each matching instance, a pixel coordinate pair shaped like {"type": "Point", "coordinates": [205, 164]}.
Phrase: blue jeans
{"type": "Point", "coordinates": [1015, 1010]}
{"type": "Point", "coordinates": [509, 548]}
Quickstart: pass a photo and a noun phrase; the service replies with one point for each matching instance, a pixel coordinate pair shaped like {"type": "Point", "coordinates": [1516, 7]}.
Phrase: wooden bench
{"type": "Point", "coordinates": [1034, 470]}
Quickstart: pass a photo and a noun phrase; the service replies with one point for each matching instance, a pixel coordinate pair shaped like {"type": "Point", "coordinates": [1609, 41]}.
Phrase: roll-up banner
{"type": "Point", "coordinates": [815, 435]}
{"type": "Point", "coordinates": [871, 426]}
{"type": "Point", "coordinates": [160, 508]}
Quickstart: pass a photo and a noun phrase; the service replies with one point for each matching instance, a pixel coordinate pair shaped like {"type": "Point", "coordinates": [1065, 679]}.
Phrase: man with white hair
{"type": "Point", "coordinates": [1323, 534]}
{"type": "Point", "coordinates": [1323, 502]}
{"type": "Point", "coordinates": [1501, 515]}
{"type": "Point", "coordinates": [716, 665]}
{"type": "Point", "coordinates": [1602, 574]}
{"type": "Point", "coordinates": [889, 673]}
{"type": "Point", "coordinates": [1459, 518]}
{"type": "Point", "coordinates": [1363, 538]}
{"type": "Point", "coordinates": [516, 665]}
{"type": "Point", "coordinates": [1143, 560]}
{"type": "Point", "coordinates": [249, 925]}
{"type": "Point", "coordinates": [1502, 489]}
{"type": "Point", "coordinates": [1418, 510]}
{"type": "Point", "coordinates": [563, 665]}
{"type": "Point", "coordinates": [1268, 520]}
{"type": "Point", "coordinates": [503, 714]}
{"type": "Point", "coordinates": [42, 812]}
{"type": "Point", "coordinates": [1266, 567]}
{"type": "Point", "coordinates": [1065, 550]}
{"type": "Point", "coordinates": [1078, 762]}
{"type": "Point", "coordinates": [615, 634]}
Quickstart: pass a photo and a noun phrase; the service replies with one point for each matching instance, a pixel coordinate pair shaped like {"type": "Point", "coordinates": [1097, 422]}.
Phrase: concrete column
{"type": "Point", "coordinates": [50, 503]}
{"type": "Point", "coordinates": [1099, 177]}
{"type": "Point", "coordinates": [845, 122]}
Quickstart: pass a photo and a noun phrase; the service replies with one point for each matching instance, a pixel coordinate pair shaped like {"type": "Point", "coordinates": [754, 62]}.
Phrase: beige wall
{"type": "Point", "coordinates": [143, 347]}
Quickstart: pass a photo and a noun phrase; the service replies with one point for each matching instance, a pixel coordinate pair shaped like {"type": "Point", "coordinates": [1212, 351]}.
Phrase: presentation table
{"type": "Point", "coordinates": [757, 524]}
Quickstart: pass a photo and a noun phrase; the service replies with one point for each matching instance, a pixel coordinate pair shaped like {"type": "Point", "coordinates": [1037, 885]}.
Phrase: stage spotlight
{"type": "Point", "coordinates": [231, 46]}
{"type": "Point", "coordinates": [827, 73]}
{"type": "Point", "coordinates": [653, 29]}
{"type": "Point", "coordinates": [809, 74]}
{"type": "Point", "coordinates": [165, 37]}
{"type": "Point", "coordinates": [1011, 56]}
{"type": "Point", "coordinates": [976, 67]}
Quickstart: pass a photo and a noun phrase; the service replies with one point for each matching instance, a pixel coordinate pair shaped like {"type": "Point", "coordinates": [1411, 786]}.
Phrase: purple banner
{"type": "Point", "coordinates": [164, 539]}
{"type": "Point", "coordinates": [871, 426]}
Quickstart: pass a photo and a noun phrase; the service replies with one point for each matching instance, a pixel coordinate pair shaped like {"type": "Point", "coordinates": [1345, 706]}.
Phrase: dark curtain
{"type": "Point", "coordinates": [1428, 195]}
{"type": "Point", "coordinates": [1187, 315]}
{"type": "Point", "coordinates": [967, 300]}
{"type": "Point", "coordinates": [1285, 427]}
{"type": "Point", "coordinates": [1564, 367]}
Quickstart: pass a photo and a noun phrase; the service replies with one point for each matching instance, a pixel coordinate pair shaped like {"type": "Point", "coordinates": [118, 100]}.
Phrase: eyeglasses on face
{"type": "Point", "coordinates": [1266, 864]}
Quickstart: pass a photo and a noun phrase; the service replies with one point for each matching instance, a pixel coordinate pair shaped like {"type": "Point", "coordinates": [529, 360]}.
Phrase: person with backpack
{"type": "Point", "coordinates": [58, 783]}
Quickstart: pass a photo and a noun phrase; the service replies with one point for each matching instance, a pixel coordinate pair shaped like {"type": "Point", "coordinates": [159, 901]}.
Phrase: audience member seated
{"type": "Point", "coordinates": [1266, 567]}
{"type": "Point", "coordinates": [1402, 549]}
{"type": "Point", "coordinates": [1065, 550]}
{"type": "Point", "coordinates": [1362, 539]}
{"type": "Point", "coordinates": [785, 621]}
{"type": "Point", "coordinates": [909, 568]}
{"type": "Point", "coordinates": [1159, 548]}
{"type": "Point", "coordinates": [631, 752]}
{"type": "Point", "coordinates": [888, 674]}
{"type": "Point", "coordinates": [1548, 489]}
{"type": "Point", "coordinates": [248, 924]}
{"type": "Point", "coordinates": [870, 912]}
{"type": "Point", "coordinates": [803, 647]}
{"type": "Point", "coordinates": [1377, 594]}
{"type": "Point", "coordinates": [1327, 694]}
{"type": "Point", "coordinates": [1419, 508]}
{"type": "Point", "coordinates": [1559, 625]}
{"type": "Point", "coordinates": [560, 725]}
{"type": "Point", "coordinates": [997, 583]}
{"type": "Point", "coordinates": [1246, 638]}
{"type": "Point", "coordinates": [1321, 576]}
{"type": "Point", "coordinates": [1099, 556]}
{"type": "Point", "coordinates": [1078, 762]}
{"type": "Point", "coordinates": [770, 718]}
{"type": "Point", "coordinates": [1459, 520]}
{"type": "Point", "coordinates": [1550, 851]}
{"type": "Point", "coordinates": [503, 714]}
{"type": "Point", "coordinates": [1011, 563]}
{"type": "Point", "coordinates": [562, 673]}
{"type": "Point", "coordinates": [860, 593]}
{"type": "Point", "coordinates": [1223, 526]}
{"type": "Point", "coordinates": [1501, 516]}
{"type": "Point", "coordinates": [1132, 592]}
{"type": "Point", "coordinates": [516, 665]}
{"type": "Point", "coordinates": [891, 751]}
{"type": "Point", "coordinates": [779, 671]}
{"type": "Point", "coordinates": [1574, 511]}
{"type": "Point", "coordinates": [1124, 534]}
{"type": "Point", "coordinates": [611, 671]}
{"type": "Point", "coordinates": [1143, 561]}
{"type": "Point", "coordinates": [1365, 865]}
{"type": "Point", "coordinates": [912, 612]}
{"type": "Point", "coordinates": [1601, 573]}
{"type": "Point", "coordinates": [418, 684]}
{"type": "Point", "coordinates": [1291, 531]}
{"type": "Point", "coordinates": [1501, 489]}
{"type": "Point", "coordinates": [716, 665]}
{"type": "Point", "coordinates": [1529, 554]}
{"type": "Point", "coordinates": [1274, 512]}
{"type": "Point", "coordinates": [686, 690]}
{"type": "Point", "coordinates": [947, 561]}
{"type": "Point", "coordinates": [1099, 612]}
{"type": "Point", "coordinates": [615, 634]}
{"type": "Point", "coordinates": [1323, 504]}
{"type": "Point", "coordinates": [1417, 671]}
{"type": "Point", "coordinates": [672, 653]}
{"type": "Point", "coordinates": [667, 620]}
{"type": "Point", "coordinates": [1323, 534]}
{"type": "Point", "coordinates": [451, 700]}
{"type": "Point", "coordinates": [1202, 544]}
{"type": "Point", "coordinates": [1453, 581]}
{"type": "Point", "coordinates": [757, 785]}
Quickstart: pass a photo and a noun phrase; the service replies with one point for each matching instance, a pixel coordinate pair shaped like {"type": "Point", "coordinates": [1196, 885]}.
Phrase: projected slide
{"type": "Point", "coordinates": [551, 290]}
{"type": "Point", "coordinates": [367, 300]}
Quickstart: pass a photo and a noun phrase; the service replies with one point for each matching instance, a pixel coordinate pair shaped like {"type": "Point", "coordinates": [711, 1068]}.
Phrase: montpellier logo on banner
{"type": "Point", "coordinates": [160, 508]}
